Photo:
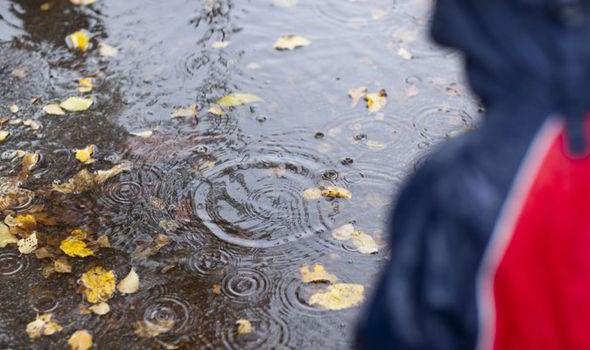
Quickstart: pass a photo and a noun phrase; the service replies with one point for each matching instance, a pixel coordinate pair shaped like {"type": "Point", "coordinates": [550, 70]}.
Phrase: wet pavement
{"type": "Point", "coordinates": [227, 190]}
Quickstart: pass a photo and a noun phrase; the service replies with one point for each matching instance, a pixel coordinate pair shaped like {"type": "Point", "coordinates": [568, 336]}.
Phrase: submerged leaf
{"type": "Point", "coordinates": [244, 326]}
{"type": "Point", "coordinates": [80, 340]}
{"type": "Point", "coordinates": [343, 233]}
{"type": "Point", "coordinates": [364, 243]}
{"type": "Point", "coordinates": [27, 245]}
{"type": "Point", "coordinates": [219, 44]}
{"type": "Point", "coordinates": [316, 274]}
{"type": "Point", "coordinates": [336, 192]}
{"type": "Point", "coordinates": [84, 155]}
{"type": "Point", "coordinates": [376, 100]}
{"type": "Point", "coordinates": [216, 110]}
{"type": "Point", "coordinates": [53, 109]}
{"type": "Point", "coordinates": [151, 329]}
{"type": "Point", "coordinates": [106, 50]}
{"type": "Point", "coordinates": [237, 99]}
{"type": "Point", "coordinates": [62, 265]}
{"type": "Point", "coordinates": [312, 193]}
{"type": "Point", "coordinates": [98, 284]}
{"type": "Point", "coordinates": [291, 41]}
{"type": "Point", "coordinates": [6, 237]}
{"type": "Point", "coordinates": [4, 135]}
{"type": "Point", "coordinates": [188, 112]}
{"type": "Point", "coordinates": [30, 160]}
{"type": "Point", "coordinates": [129, 284]}
{"type": "Point", "coordinates": [153, 247]}
{"type": "Point", "coordinates": [79, 40]}
{"type": "Point", "coordinates": [76, 104]}
{"type": "Point", "coordinates": [339, 296]}
{"type": "Point", "coordinates": [43, 325]}
{"type": "Point", "coordinates": [85, 180]}
{"type": "Point", "coordinates": [100, 308]}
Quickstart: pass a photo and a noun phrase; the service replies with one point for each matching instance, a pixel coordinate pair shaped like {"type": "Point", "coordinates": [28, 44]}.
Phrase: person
{"type": "Point", "coordinates": [491, 237]}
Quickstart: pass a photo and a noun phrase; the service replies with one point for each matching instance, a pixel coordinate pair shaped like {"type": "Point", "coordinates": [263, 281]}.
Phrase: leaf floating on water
{"type": "Point", "coordinates": [27, 245]}
{"type": "Point", "coordinates": [84, 155]}
{"type": "Point", "coordinates": [62, 265]}
{"type": "Point", "coordinates": [76, 104]}
{"type": "Point", "coordinates": [220, 44]}
{"type": "Point", "coordinates": [30, 160]}
{"type": "Point", "coordinates": [216, 110]}
{"type": "Point", "coordinates": [152, 248]}
{"type": "Point", "coordinates": [284, 3]}
{"type": "Point", "coordinates": [14, 108]}
{"type": "Point", "coordinates": [79, 40]}
{"type": "Point", "coordinates": [376, 100]}
{"type": "Point", "coordinates": [85, 84]}
{"type": "Point", "coordinates": [75, 247]}
{"type": "Point", "coordinates": [100, 308]}
{"type": "Point", "coordinates": [80, 340]}
{"type": "Point", "coordinates": [364, 243]}
{"type": "Point", "coordinates": [24, 223]}
{"type": "Point", "coordinates": [4, 135]}
{"type": "Point", "coordinates": [143, 134]}
{"type": "Point", "coordinates": [103, 241]}
{"type": "Point", "coordinates": [291, 42]}
{"type": "Point", "coordinates": [6, 237]}
{"type": "Point", "coordinates": [343, 233]}
{"type": "Point", "coordinates": [336, 192]}
{"type": "Point", "coordinates": [237, 99]}
{"type": "Point", "coordinates": [46, 6]}
{"type": "Point", "coordinates": [43, 325]}
{"type": "Point", "coordinates": [129, 284]}
{"type": "Point", "coordinates": [339, 296]}
{"type": "Point", "coordinates": [188, 112]}
{"type": "Point", "coordinates": [98, 284]}
{"type": "Point", "coordinates": [82, 2]}
{"type": "Point", "coordinates": [316, 274]}
{"type": "Point", "coordinates": [106, 50]}
{"type": "Point", "coordinates": [404, 53]}
{"type": "Point", "coordinates": [53, 109]}
{"type": "Point", "coordinates": [151, 329]}
{"type": "Point", "coordinates": [32, 124]}
{"type": "Point", "coordinates": [312, 193]}
{"type": "Point", "coordinates": [356, 94]}
{"type": "Point", "coordinates": [244, 326]}
{"type": "Point", "coordinates": [85, 180]}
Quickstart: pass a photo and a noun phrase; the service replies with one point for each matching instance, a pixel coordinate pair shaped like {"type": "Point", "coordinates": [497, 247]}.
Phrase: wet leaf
{"type": "Point", "coordinates": [46, 6]}
{"type": "Point", "coordinates": [85, 84]}
{"type": "Point", "coordinates": [376, 100]}
{"type": "Point", "coordinates": [103, 241]}
{"type": "Point", "coordinates": [62, 265]}
{"type": "Point", "coordinates": [404, 53]}
{"type": "Point", "coordinates": [34, 125]}
{"type": "Point", "coordinates": [82, 2]}
{"type": "Point", "coordinates": [284, 3]}
{"type": "Point", "coordinates": [312, 193]}
{"type": "Point", "coordinates": [216, 110]}
{"type": "Point", "coordinates": [42, 325]}
{"type": "Point", "coordinates": [364, 243]}
{"type": "Point", "coordinates": [220, 44]}
{"type": "Point", "coordinates": [151, 329]}
{"type": "Point", "coordinates": [25, 223]}
{"type": "Point", "coordinates": [53, 109]}
{"type": "Point", "coordinates": [30, 160]}
{"type": "Point", "coordinates": [98, 284]}
{"type": "Point", "coordinates": [143, 133]}
{"type": "Point", "coordinates": [339, 296]}
{"type": "Point", "coordinates": [356, 94]}
{"type": "Point", "coordinates": [100, 308]}
{"type": "Point", "coordinates": [336, 192]}
{"type": "Point", "coordinates": [84, 155]}
{"type": "Point", "coordinates": [85, 180]}
{"type": "Point", "coordinates": [76, 104]}
{"type": "Point", "coordinates": [169, 225]}
{"type": "Point", "coordinates": [27, 245]}
{"type": "Point", "coordinates": [129, 284]}
{"type": "Point", "coordinates": [75, 247]}
{"type": "Point", "coordinates": [106, 50]}
{"type": "Point", "coordinates": [244, 326]}
{"type": "Point", "coordinates": [79, 40]}
{"type": "Point", "coordinates": [188, 112]}
{"type": "Point", "coordinates": [6, 237]}
{"type": "Point", "coordinates": [237, 99]}
{"type": "Point", "coordinates": [4, 135]}
{"type": "Point", "coordinates": [80, 340]}
{"type": "Point", "coordinates": [153, 247]}
{"type": "Point", "coordinates": [44, 253]}
{"type": "Point", "coordinates": [291, 42]}
{"type": "Point", "coordinates": [14, 108]}
{"type": "Point", "coordinates": [343, 233]}
{"type": "Point", "coordinates": [317, 273]}
{"type": "Point", "coordinates": [216, 289]}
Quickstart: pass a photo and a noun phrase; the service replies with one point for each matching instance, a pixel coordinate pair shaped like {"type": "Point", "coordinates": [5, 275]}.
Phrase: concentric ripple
{"type": "Point", "coordinates": [360, 15]}
{"type": "Point", "coordinates": [294, 295]}
{"type": "Point", "coordinates": [269, 331]}
{"type": "Point", "coordinates": [438, 122]}
{"type": "Point", "coordinates": [245, 285]}
{"type": "Point", "coordinates": [12, 264]}
{"type": "Point", "coordinates": [211, 260]}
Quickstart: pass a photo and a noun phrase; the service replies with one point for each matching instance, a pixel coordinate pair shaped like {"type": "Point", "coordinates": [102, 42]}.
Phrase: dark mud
{"type": "Point", "coordinates": [229, 187]}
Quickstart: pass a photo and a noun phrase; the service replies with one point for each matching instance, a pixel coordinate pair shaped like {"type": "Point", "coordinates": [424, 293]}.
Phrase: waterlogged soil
{"type": "Point", "coordinates": [227, 190]}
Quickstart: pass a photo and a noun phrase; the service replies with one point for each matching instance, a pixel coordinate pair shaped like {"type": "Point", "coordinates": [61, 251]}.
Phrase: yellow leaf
{"type": "Point", "coordinates": [144, 133]}
{"type": "Point", "coordinates": [32, 124]}
{"type": "Point", "coordinates": [4, 135]}
{"type": "Point", "coordinates": [6, 237]}
{"type": "Point", "coordinates": [129, 284]}
{"type": "Point", "coordinates": [53, 109]}
{"type": "Point", "coordinates": [85, 84]}
{"type": "Point", "coordinates": [79, 40]}
{"type": "Point", "coordinates": [80, 340]}
{"type": "Point", "coordinates": [244, 326]}
{"type": "Point", "coordinates": [75, 247]}
{"type": "Point", "coordinates": [28, 163]}
{"type": "Point", "coordinates": [336, 192]}
{"type": "Point", "coordinates": [27, 245]}
{"type": "Point", "coordinates": [237, 99]}
{"type": "Point", "coordinates": [76, 104]}
{"type": "Point", "coordinates": [339, 296]}
{"type": "Point", "coordinates": [219, 44]}
{"type": "Point", "coordinates": [85, 180]}
{"type": "Point", "coordinates": [46, 6]}
{"type": "Point", "coordinates": [216, 110]}
{"type": "Point", "coordinates": [291, 41]}
{"type": "Point", "coordinates": [364, 243]}
{"type": "Point", "coordinates": [376, 100]}
{"type": "Point", "coordinates": [62, 265]}
{"type": "Point", "coordinates": [100, 308]}
{"type": "Point", "coordinates": [188, 112]}
{"type": "Point", "coordinates": [82, 2]}
{"type": "Point", "coordinates": [343, 233]}
{"type": "Point", "coordinates": [356, 94]}
{"type": "Point", "coordinates": [84, 155]}
{"type": "Point", "coordinates": [106, 50]}
{"type": "Point", "coordinates": [98, 284]}
{"type": "Point", "coordinates": [14, 108]}
{"type": "Point", "coordinates": [151, 329]}
{"type": "Point", "coordinates": [316, 274]}
{"type": "Point", "coordinates": [103, 241]}
{"type": "Point", "coordinates": [312, 193]}
{"type": "Point", "coordinates": [43, 325]}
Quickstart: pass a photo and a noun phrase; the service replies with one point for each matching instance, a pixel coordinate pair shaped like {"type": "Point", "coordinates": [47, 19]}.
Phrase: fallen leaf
{"type": "Point", "coordinates": [34, 125]}
{"type": "Point", "coordinates": [6, 237]}
{"type": "Point", "coordinates": [153, 247]}
{"type": "Point", "coordinates": [316, 274]}
{"type": "Point", "coordinates": [356, 94]}
{"type": "Point", "coordinates": [219, 44]}
{"type": "Point", "coordinates": [364, 243]}
{"type": "Point", "coordinates": [14, 108]}
{"type": "Point", "coordinates": [85, 180]}
{"type": "Point", "coordinates": [412, 90]}
{"type": "Point", "coordinates": [62, 265]}
{"type": "Point", "coordinates": [151, 329]}
{"type": "Point", "coordinates": [53, 109]}
{"type": "Point", "coordinates": [188, 112]}
{"type": "Point", "coordinates": [216, 110]}
{"type": "Point", "coordinates": [44, 253]}
{"type": "Point", "coordinates": [129, 284]}
{"type": "Point", "coordinates": [4, 135]}
{"type": "Point", "coordinates": [237, 99]}
{"type": "Point", "coordinates": [336, 192]}
{"type": "Point", "coordinates": [404, 53]}
{"type": "Point", "coordinates": [43, 325]}
{"type": "Point", "coordinates": [144, 133]}
{"type": "Point", "coordinates": [25, 223]}
{"type": "Point", "coordinates": [343, 233]}
{"type": "Point", "coordinates": [30, 160]}
{"type": "Point", "coordinates": [98, 284]}
{"type": "Point", "coordinates": [46, 6]}
{"type": "Point", "coordinates": [27, 245]}
{"type": "Point", "coordinates": [76, 104]}
{"type": "Point", "coordinates": [284, 3]}
{"type": "Point", "coordinates": [244, 326]}
{"type": "Point", "coordinates": [216, 289]}
{"type": "Point", "coordinates": [84, 155]}
{"type": "Point", "coordinates": [169, 225]}
{"type": "Point", "coordinates": [75, 247]}
{"type": "Point", "coordinates": [80, 340]}
{"type": "Point", "coordinates": [339, 296]}
{"type": "Point", "coordinates": [100, 308]}
{"type": "Point", "coordinates": [376, 100]}
{"type": "Point", "coordinates": [79, 40]}
{"type": "Point", "coordinates": [291, 41]}
{"type": "Point", "coordinates": [82, 2]}
{"type": "Point", "coordinates": [85, 84]}
{"type": "Point", "coordinates": [312, 193]}
{"type": "Point", "coordinates": [106, 50]}
{"type": "Point", "coordinates": [103, 241]}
